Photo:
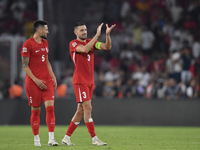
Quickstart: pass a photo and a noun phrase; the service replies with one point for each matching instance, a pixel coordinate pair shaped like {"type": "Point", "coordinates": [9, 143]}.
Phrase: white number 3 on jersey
{"type": "Point", "coordinates": [88, 55]}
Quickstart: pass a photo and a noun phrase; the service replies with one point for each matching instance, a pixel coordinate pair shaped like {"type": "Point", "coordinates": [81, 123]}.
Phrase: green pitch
{"type": "Point", "coordinates": [116, 137]}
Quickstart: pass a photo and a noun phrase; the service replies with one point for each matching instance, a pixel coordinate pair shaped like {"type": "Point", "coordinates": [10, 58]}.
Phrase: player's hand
{"type": "Point", "coordinates": [55, 83]}
{"type": "Point", "coordinates": [40, 83]}
{"type": "Point", "coordinates": [109, 29]}
{"type": "Point", "coordinates": [99, 30]}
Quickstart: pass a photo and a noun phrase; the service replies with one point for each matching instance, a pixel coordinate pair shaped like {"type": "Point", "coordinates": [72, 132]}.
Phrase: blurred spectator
{"type": "Point", "coordinates": [125, 9]}
{"type": "Point", "coordinates": [176, 11]}
{"type": "Point", "coordinates": [108, 89]}
{"type": "Point", "coordinates": [170, 3]}
{"type": "Point", "coordinates": [11, 25]}
{"type": "Point", "coordinates": [99, 84]}
{"type": "Point", "coordinates": [183, 88]}
{"type": "Point", "coordinates": [128, 88]}
{"type": "Point", "coordinates": [117, 89]}
{"type": "Point", "coordinates": [2, 9]}
{"type": "Point", "coordinates": [177, 64]}
{"type": "Point", "coordinates": [175, 44]}
{"type": "Point", "coordinates": [147, 39]}
{"type": "Point", "coordinates": [173, 91]}
{"type": "Point", "coordinates": [28, 25]}
{"type": "Point", "coordinates": [113, 9]}
{"type": "Point", "coordinates": [192, 90]}
{"type": "Point", "coordinates": [115, 61]}
{"type": "Point", "coordinates": [111, 75]}
{"type": "Point", "coordinates": [192, 5]}
{"type": "Point", "coordinates": [142, 5]}
{"type": "Point", "coordinates": [142, 76]}
{"type": "Point", "coordinates": [189, 23]}
{"type": "Point", "coordinates": [168, 30]}
{"type": "Point", "coordinates": [137, 30]}
{"type": "Point", "coordinates": [162, 89]}
{"type": "Point", "coordinates": [151, 90]}
{"type": "Point", "coordinates": [105, 65]}
{"type": "Point", "coordinates": [196, 48]}
{"type": "Point", "coordinates": [126, 52]}
{"type": "Point", "coordinates": [138, 90]}
{"type": "Point", "coordinates": [18, 7]}
{"type": "Point", "coordinates": [187, 58]}
{"type": "Point", "coordinates": [181, 33]}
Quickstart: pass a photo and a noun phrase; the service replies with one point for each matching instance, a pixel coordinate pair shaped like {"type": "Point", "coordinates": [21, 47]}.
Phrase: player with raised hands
{"type": "Point", "coordinates": [82, 55]}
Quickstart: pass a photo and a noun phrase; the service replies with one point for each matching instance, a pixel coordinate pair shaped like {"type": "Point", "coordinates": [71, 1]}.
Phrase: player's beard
{"type": "Point", "coordinates": [43, 37]}
{"type": "Point", "coordinates": [83, 38]}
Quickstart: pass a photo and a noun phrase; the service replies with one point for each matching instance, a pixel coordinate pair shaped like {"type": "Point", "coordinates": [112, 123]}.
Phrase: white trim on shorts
{"type": "Point", "coordinates": [80, 95]}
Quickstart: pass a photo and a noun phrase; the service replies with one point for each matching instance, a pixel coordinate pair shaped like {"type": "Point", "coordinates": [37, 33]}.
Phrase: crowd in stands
{"type": "Point", "coordinates": [17, 16]}
{"type": "Point", "coordinates": [155, 47]}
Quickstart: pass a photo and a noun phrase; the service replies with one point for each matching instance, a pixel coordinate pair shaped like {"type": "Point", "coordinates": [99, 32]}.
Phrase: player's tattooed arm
{"type": "Point", "coordinates": [25, 62]}
{"type": "Point", "coordinates": [38, 82]}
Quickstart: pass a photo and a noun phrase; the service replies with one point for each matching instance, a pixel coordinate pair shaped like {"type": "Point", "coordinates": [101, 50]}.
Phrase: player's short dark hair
{"type": "Point", "coordinates": [78, 24]}
{"type": "Point", "coordinates": [37, 24]}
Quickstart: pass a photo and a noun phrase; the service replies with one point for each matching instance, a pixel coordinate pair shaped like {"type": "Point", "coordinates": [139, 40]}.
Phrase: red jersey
{"type": "Point", "coordinates": [83, 63]}
{"type": "Point", "coordinates": [37, 54]}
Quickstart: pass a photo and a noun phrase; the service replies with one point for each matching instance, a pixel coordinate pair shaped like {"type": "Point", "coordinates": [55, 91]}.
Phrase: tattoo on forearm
{"type": "Point", "coordinates": [25, 62]}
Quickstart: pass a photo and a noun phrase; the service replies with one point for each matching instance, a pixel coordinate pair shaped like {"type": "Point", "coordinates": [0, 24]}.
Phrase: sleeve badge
{"type": "Point", "coordinates": [24, 49]}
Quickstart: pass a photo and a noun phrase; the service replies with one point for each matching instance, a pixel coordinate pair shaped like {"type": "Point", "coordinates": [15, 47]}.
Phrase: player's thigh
{"type": "Point", "coordinates": [34, 95]}
{"type": "Point", "coordinates": [48, 94]}
{"type": "Point", "coordinates": [91, 89]}
{"type": "Point", "coordinates": [82, 93]}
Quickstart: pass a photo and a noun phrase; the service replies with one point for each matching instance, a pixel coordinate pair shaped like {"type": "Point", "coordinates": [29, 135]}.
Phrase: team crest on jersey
{"type": "Point", "coordinates": [24, 49]}
{"type": "Point", "coordinates": [74, 44]}
{"type": "Point", "coordinates": [47, 49]}
{"type": "Point", "coordinates": [43, 49]}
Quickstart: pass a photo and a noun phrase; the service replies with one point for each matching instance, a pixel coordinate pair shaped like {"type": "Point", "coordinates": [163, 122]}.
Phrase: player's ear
{"type": "Point", "coordinates": [39, 30]}
{"type": "Point", "coordinates": [75, 32]}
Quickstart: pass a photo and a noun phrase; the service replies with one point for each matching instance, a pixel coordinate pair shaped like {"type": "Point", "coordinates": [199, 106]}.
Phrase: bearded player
{"type": "Point", "coordinates": [82, 54]}
{"type": "Point", "coordinates": [40, 80]}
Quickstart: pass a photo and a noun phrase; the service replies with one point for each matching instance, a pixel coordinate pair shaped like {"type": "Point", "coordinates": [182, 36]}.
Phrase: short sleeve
{"type": "Point", "coordinates": [26, 50]}
{"type": "Point", "coordinates": [73, 45]}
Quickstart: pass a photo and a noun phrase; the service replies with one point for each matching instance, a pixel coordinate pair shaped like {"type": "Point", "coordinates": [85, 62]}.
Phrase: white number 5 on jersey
{"type": "Point", "coordinates": [43, 58]}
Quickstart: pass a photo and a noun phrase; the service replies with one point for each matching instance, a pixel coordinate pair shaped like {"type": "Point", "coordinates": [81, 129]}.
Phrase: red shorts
{"type": "Point", "coordinates": [35, 95]}
{"type": "Point", "coordinates": [83, 92]}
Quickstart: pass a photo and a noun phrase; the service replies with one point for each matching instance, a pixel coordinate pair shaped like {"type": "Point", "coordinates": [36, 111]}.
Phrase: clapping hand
{"type": "Point", "coordinates": [109, 29]}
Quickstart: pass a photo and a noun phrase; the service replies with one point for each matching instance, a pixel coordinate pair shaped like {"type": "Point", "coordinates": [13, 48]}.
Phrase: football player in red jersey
{"type": "Point", "coordinates": [82, 55]}
{"type": "Point", "coordinates": [40, 80]}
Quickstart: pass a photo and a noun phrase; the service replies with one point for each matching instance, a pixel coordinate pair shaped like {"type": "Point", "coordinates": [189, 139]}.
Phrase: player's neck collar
{"type": "Point", "coordinates": [37, 41]}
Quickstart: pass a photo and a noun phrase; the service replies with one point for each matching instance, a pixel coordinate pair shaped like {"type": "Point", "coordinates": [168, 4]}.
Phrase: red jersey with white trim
{"type": "Point", "coordinates": [83, 63]}
{"type": "Point", "coordinates": [37, 54]}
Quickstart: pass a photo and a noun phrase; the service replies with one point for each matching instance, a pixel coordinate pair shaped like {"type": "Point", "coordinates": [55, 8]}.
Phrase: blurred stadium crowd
{"type": "Point", "coordinates": [155, 46]}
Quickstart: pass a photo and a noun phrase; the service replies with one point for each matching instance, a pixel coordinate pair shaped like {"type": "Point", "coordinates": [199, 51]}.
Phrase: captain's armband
{"type": "Point", "coordinates": [97, 45]}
